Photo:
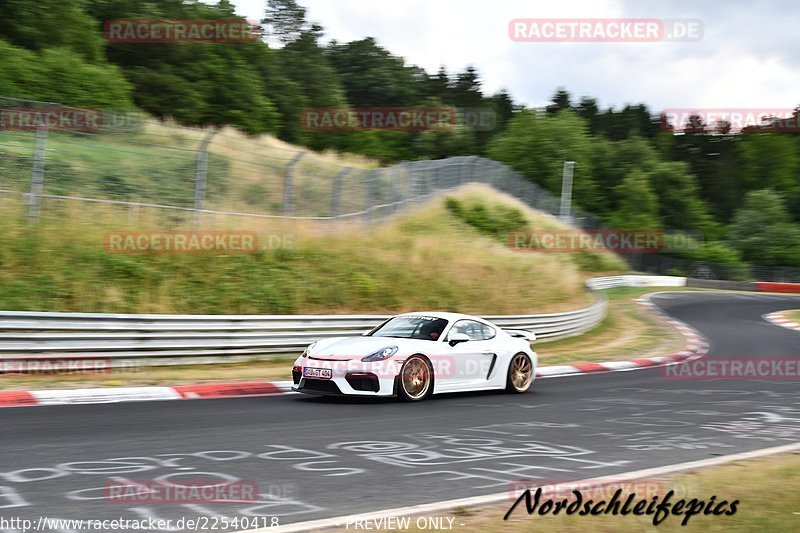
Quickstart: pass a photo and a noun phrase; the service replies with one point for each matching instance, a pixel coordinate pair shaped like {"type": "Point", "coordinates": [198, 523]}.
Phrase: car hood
{"type": "Point", "coordinates": [346, 348]}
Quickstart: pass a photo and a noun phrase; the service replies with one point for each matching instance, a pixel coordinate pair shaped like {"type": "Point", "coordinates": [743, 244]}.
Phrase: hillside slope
{"type": "Point", "coordinates": [424, 258]}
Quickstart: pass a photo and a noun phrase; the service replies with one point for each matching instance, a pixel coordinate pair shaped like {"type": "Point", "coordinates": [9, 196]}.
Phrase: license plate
{"type": "Point", "coordinates": [319, 373]}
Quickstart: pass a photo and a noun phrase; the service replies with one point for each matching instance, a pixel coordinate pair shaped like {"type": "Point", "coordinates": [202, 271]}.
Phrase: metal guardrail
{"type": "Point", "coordinates": [632, 280]}
{"type": "Point", "coordinates": [156, 340]}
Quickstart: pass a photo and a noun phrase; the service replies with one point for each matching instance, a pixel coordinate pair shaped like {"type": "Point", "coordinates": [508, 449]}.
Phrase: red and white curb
{"type": "Point", "coordinates": [779, 319]}
{"type": "Point", "coordinates": [696, 347]}
{"type": "Point", "coordinates": [139, 394]}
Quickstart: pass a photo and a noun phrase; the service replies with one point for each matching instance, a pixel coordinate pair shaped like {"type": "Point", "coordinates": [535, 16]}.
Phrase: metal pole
{"type": "Point", "coordinates": [336, 194]}
{"type": "Point", "coordinates": [413, 179]}
{"type": "Point", "coordinates": [37, 175]}
{"type": "Point", "coordinates": [488, 172]}
{"type": "Point", "coordinates": [566, 190]}
{"type": "Point", "coordinates": [472, 164]}
{"type": "Point", "coordinates": [370, 182]}
{"type": "Point", "coordinates": [201, 176]}
{"type": "Point", "coordinates": [288, 185]}
{"type": "Point", "coordinates": [394, 171]}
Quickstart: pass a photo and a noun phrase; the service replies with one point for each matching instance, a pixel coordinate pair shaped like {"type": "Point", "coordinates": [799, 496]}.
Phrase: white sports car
{"type": "Point", "coordinates": [414, 355]}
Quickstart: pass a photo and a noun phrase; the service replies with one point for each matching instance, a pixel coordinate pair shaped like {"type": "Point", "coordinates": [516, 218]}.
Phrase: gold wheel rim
{"type": "Point", "coordinates": [521, 372]}
{"type": "Point", "coordinates": [416, 378]}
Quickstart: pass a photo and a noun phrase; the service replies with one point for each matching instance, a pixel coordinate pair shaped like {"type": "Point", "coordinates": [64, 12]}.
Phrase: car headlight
{"type": "Point", "coordinates": [380, 355]}
{"type": "Point", "coordinates": [305, 352]}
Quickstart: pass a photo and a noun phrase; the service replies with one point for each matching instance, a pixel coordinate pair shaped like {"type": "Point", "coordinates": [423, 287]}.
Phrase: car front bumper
{"type": "Point", "coordinates": [355, 378]}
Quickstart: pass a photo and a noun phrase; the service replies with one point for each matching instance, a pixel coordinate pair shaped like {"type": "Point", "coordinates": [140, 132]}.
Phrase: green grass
{"type": "Point", "coordinates": [793, 315]}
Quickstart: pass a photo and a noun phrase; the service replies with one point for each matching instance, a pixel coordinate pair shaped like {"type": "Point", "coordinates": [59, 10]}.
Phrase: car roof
{"type": "Point", "coordinates": [448, 316]}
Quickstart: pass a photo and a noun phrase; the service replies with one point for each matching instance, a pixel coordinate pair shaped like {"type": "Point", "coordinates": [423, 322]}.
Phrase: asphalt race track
{"type": "Point", "coordinates": [316, 457]}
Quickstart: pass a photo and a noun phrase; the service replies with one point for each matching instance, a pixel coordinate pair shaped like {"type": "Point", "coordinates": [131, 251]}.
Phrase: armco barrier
{"type": "Point", "coordinates": [115, 340]}
{"type": "Point", "coordinates": [632, 280]}
{"type": "Point", "coordinates": [156, 340]}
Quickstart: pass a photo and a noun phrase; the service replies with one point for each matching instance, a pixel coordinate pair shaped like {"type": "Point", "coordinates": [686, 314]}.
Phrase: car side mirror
{"type": "Point", "coordinates": [456, 338]}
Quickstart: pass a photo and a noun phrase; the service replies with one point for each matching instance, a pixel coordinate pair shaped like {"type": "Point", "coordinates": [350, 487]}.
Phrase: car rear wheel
{"type": "Point", "coordinates": [520, 373]}
{"type": "Point", "coordinates": [416, 379]}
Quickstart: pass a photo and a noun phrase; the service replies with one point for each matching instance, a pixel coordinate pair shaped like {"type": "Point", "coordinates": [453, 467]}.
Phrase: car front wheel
{"type": "Point", "coordinates": [416, 379]}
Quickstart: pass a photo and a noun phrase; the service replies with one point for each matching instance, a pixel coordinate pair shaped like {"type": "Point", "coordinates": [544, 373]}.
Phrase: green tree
{"type": "Point", "coordinates": [559, 102]}
{"type": "Point", "coordinates": [440, 144]}
{"type": "Point", "coordinates": [680, 206]}
{"type": "Point", "coordinates": [466, 89]}
{"type": "Point", "coordinates": [286, 93]}
{"type": "Point", "coordinates": [58, 75]}
{"type": "Point", "coordinates": [638, 207]}
{"type": "Point", "coordinates": [589, 111]}
{"type": "Point", "coordinates": [197, 84]}
{"type": "Point", "coordinates": [371, 76]}
{"type": "Point", "coordinates": [771, 161]}
{"type": "Point", "coordinates": [537, 144]}
{"type": "Point", "coordinates": [763, 232]}
{"type": "Point", "coordinates": [715, 160]}
{"type": "Point", "coordinates": [503, 106]}
{"type": "Point", "coordinates": [304, 61]}
{"type": "Point", "coordinates": [286, 19]}
{"type": "Point", "coordinates": [51, 24]}
{"type": "Point", "coordinates": [438, 86]}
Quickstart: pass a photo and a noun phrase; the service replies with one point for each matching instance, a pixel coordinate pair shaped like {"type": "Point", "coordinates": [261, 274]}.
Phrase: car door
{"type": "Point", "coordinates": [470, 361]}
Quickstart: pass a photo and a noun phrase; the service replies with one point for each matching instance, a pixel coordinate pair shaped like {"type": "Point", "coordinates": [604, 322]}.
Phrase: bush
{"type": "Point", "coordinates": [493, 220]}
{"type": "Point", "coordinates": [599, 262]}
{"type": "Point", "coordinates": [58, 75]}
{"type": "Point", "coordinates": [675, 271]}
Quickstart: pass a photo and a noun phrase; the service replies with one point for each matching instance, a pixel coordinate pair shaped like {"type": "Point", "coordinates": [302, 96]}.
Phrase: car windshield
{"type": "Point", "coordinates": [427, 328]}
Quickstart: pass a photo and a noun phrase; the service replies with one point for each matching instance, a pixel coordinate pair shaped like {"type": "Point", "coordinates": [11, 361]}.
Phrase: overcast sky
{"type": "Point", "coordinates": [748, 57]}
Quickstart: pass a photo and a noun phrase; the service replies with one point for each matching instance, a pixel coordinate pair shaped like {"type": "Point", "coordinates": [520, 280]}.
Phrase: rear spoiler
{"type": "Point", "coordinates": [521, 333]}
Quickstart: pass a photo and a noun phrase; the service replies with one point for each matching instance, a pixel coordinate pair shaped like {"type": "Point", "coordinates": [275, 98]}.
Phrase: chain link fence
{"type": "Point", "coordinates": [676, 266]}
{"type": "Point", "coordinates": [50, 158]}
{"type": "Point", "coordinates": [131, 160]}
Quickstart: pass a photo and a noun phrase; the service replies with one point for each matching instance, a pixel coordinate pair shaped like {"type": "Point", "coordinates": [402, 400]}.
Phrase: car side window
{"type": "Point", "coordinates": [488, 332]}
{"type": "Point", "coordinates": [472, 329]}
